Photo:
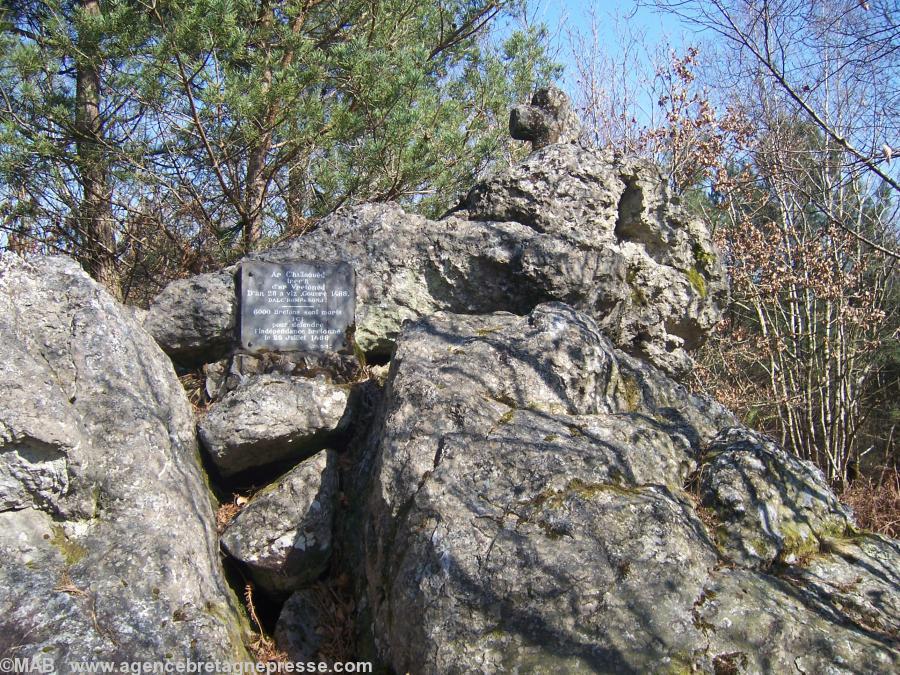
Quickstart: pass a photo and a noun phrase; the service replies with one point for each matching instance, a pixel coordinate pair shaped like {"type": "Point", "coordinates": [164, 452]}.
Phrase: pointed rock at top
{"type": "Point", "coordinates": [549, 119]}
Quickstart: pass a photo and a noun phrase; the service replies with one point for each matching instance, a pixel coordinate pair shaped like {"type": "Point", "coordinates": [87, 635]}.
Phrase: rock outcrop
{"type": "Point", "coordinates": [526, 487]}
{"type": "Point", "coordinates": [528, 513]}
{"type": "Point", "coordinates": [592, 229]}
{"type": "Point", "coordinates": [655, 285]}
{"type": "Point", "coordinates": [107, 548]}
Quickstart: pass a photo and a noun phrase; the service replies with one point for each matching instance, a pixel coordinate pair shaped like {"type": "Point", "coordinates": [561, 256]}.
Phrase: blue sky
{"type": "Point", "coordinates": [563, 17]}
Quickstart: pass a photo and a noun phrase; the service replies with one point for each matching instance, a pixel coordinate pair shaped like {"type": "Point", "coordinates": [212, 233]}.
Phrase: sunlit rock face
{"type": "Point", "coordinates": [107, 544]}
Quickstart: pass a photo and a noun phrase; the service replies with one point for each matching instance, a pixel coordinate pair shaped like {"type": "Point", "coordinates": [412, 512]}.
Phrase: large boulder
{"type": "Point", "coordinates": [588, 228]}
{"type": "Point", "coordinates": [283, 536]}
{"type": "Point", "coordinates": [107, 544]}
{"type": "Point", "coordinates": [526, 513]}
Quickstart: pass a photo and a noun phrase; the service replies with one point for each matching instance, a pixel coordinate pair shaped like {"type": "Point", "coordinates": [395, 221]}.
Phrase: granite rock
{"type": "Point", "coordinates": [549, 119]}
{"type": "Point", "coordinates": [528, 511]}
{"type": "Point", "coordinates": [296, 632]}
{"type": "Point", "coordinates": [272, 418]}
{"type": "Point", "coordinates": [194, 319]}
{"type": "Point", "coordinates": [592, 229]}
{"type": "Point", "coordinates": [283, 536]}
{"type": "Point", "coordinates": [770, 505]}
{"type": "Point", "coordinates": [107, 544]}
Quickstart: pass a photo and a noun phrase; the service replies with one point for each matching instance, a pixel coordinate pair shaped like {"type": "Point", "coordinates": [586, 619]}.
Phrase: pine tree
{"type": "Point", "coordinates": [148, 139]}
{"type": "Point", "coordinates": [65, 109]}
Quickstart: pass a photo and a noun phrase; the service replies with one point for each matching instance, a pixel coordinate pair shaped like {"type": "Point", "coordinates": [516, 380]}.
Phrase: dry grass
{"type": "Point", "coordinates": [194, 384]}
{"type": "Point", "coordinates": [334, 598]}
{"type": "Point", "coordinates": [262, 647]}
{"type": "Point", "coordinates": [707, 515]}
{"type": "Point", "coordinates": [876, 503]}
{"type": "Point", "coordinates": [709, 518]}
{"type": "Point", "coordinates": [228, 510]}
{"type": "Point", "coordinates": [66, 585]}
{"type": "Point", "coordinates": [264, 650]}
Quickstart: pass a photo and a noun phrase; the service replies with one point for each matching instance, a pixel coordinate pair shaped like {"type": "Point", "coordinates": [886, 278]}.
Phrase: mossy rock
{"type": "Point", "coordinates": [697, 281]}
{"type": "Point", "coordinates": [72, 552]}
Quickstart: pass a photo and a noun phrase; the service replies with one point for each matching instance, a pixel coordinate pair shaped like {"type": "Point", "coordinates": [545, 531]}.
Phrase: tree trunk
{"type": "Point", "coordinates": [295, 196]}
{"type": "Point", "coordinates": [96, 228]}
{"type": "Point", "coordinates": [255, 200]}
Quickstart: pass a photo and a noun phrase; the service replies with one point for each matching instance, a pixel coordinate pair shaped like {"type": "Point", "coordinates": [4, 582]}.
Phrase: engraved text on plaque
{"type": "Point", "coordinates": [303, 306]}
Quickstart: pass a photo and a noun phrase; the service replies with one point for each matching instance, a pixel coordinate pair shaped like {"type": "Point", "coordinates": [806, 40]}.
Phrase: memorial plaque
{"type": "Point", "coordinates": [296, 306]}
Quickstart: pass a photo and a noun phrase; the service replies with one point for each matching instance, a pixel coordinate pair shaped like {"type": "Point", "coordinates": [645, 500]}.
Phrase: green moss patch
{"type": "Point", "coordinates": [697, 281]}
{"type": "Point", "coordinates": [507, 417]}
{"type": "Point", "coordinates": [703, 258]}
{"type": "Point", "coordinates": [576, 487]}
{"type": "Point", "coordinates": [638, 297]}
{"type": "Point", "coordinates": [72, 552]}
{"type": "Point", "coordinates": [631, 393]}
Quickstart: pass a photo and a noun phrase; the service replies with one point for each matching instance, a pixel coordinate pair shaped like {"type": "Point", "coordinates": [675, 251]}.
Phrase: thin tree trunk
{"type": "Point", "coordinates": [258, 175]}
{"type": "Point", "coordinates": [296, 192]}
{"type": "Point", "coordinates": [95, 223]}
{"type": "Point", "coordinates": [255, 192]}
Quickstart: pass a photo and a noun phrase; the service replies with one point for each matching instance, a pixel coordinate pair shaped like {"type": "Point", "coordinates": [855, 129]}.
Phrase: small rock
{"type": "Point", "coordinates": [284, 534]}
{"type": "Point", "coordinates": [295, 632]}
{"type": "Point", "coordinates": [194, 319]}
{"type": "Point", "coordinates": [271, 418]}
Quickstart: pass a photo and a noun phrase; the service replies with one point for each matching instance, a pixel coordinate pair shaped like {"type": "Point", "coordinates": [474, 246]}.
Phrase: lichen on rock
{"type": "Point", "coordinates": [524, 487]}
{"type": "Point", "coordinates": [107, 547]}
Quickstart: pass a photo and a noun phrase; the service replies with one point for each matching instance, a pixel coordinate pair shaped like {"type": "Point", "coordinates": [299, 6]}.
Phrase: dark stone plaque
{"type": "Point", "coordinates": [296, 306]}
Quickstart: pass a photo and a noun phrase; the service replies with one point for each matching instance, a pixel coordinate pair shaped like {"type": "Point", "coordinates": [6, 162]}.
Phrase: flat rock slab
{"type": "Point", "coordinates": [284, 535]}
{"type": "Point", "coordinates": [271, 418]}
{"type": "Point", "coordinates": [107, 544]}
{"type": "Point", "coordinates": [228, 374]}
